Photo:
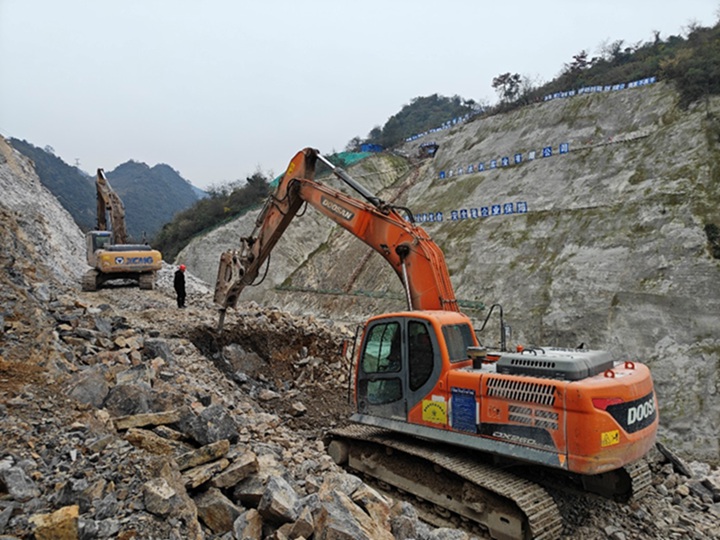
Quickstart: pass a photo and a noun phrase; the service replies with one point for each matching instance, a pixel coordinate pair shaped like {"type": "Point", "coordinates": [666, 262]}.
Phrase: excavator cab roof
{"type": "Point", "coordinates": [99, 240]}
{"type": "Point", "coordinates": [442, 317]}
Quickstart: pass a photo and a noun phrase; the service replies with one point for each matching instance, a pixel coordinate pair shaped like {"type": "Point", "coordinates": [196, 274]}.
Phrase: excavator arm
{"type": "Point", "coordinates": [110, 204]}
{"type": "Point", "coordinates": [416, 259]}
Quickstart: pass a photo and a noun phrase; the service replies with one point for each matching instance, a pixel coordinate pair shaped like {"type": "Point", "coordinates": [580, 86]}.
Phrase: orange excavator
{"type": "Point", "coordinates": [469, 430]}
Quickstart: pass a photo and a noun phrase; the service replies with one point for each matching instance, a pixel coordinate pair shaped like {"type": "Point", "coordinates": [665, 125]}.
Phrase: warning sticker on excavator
{"type": "Point", "coordinates": [434, 411]}
{"type": "Point", "coordinates": [608, 438]}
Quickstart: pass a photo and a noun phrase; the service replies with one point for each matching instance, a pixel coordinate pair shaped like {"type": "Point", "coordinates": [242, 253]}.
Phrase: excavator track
{"type": "Point", "coordinates": [146, 281]}
{"type": "Point", "coordinates": [89, 280]}
{"type": "Point", "coordinates": [507, 506]}
{"type": "Point", "coordinates": [640, 479]}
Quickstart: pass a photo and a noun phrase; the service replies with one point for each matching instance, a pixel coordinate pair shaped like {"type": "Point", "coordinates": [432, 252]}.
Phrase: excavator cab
{"type": "Point", "coordinates": [401, 361]}
{"type": "Point", "coordinates": [95, 241]}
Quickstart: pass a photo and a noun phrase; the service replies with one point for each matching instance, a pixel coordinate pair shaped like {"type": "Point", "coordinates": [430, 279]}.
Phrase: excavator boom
{"type": "Point", "coordinates": [416, 259]}
{"type": "Point", "coordinates": [110, 205]}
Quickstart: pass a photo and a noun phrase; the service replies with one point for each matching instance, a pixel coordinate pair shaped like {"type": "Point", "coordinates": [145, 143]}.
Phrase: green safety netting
{"type": "Point", "coordinates": [341, 159]}
{"type": "Point", "coordinates": [351, 158]}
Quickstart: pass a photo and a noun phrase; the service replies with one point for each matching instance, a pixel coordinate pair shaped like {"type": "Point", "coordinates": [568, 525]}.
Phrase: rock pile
{"type": "Point", "coordinates": [134, 431]}
{"type": "Point", "coordinates": [130, 433]}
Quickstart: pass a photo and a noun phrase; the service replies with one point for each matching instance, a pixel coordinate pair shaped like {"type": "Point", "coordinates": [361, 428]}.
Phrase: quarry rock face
{"type": "Point", "coordinates": [618, 248]}
{"type": "Point", "coordinates": [125, 417]}
{"type": "Point", "coordinates": [37, 221]}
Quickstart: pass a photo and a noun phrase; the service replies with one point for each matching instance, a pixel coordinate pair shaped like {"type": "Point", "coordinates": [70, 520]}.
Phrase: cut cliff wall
{"type": "Point", "coordinates": [39, 227]}
{"type": "Point", "coordinates": [616, 249]}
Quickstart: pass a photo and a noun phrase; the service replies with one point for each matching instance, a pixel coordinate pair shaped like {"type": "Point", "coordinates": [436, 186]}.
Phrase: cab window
{"type": "Point", "coordinates": [382, 349]}
{"type": "Point", "coordinates": [101, 241]}
{"type": "Point", "coordinates": [458, 338]}
{"type": "Point", "coordinates": [384, 391]}
{"type": "Point", "coordinates": [421, 354]}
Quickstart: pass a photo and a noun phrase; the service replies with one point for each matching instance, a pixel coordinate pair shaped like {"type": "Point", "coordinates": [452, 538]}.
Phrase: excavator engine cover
{"type": "Point", "coordinates": [555, 363]}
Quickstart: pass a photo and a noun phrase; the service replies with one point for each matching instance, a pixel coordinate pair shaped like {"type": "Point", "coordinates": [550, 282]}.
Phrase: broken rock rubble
{"type": "Point", "coordinates": [126, 442]}
{"type": "Point", "coordinates": [138, 425]}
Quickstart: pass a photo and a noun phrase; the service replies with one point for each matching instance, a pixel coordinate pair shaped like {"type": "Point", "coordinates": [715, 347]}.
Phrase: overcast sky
{"type": "Point", "coordinates": [220, 88]}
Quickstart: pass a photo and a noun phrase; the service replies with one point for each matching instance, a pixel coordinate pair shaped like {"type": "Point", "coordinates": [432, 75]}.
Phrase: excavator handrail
{"type": "Point", "coordinates": [415, 257]}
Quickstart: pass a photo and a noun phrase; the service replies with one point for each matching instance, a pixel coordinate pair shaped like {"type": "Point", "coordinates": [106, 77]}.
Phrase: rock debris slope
{"type": "Point", "coordinates": [42, 229]}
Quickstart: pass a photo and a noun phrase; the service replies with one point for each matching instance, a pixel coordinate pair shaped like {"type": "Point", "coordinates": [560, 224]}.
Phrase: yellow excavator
{"type": "Point", "coordinates": [108, 252]}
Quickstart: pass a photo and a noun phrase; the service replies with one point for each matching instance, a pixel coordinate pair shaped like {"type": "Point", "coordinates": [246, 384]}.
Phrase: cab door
{"type": "Point", "coordinates": [399, 364]}
{"type": "Point", "coordinates": [381, 377]}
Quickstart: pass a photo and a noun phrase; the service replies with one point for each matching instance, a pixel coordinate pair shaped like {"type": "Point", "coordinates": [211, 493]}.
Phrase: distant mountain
{"type": "Point", "coordinates": [201, 194]}
{"type": "Point", "coordinates": [152, 196]}
{"type": "Point", "coordinates": [72, 187]}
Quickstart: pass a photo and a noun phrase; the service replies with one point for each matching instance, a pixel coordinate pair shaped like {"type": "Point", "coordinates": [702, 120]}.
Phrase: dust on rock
{"type": "Point", "coordinates": [14, 376]}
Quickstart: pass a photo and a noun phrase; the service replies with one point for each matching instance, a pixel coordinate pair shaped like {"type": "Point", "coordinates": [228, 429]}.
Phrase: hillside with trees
{"type": "Point", "coordinates": [222, 204]}
{"type": "Point", "coordinates": [151, 195]}
{"type": "Point", "coordinates": [226, 202]}
{"type": "Point", "coordinates": [72, 187]}
{"type": "Point", "coordinates": [692, 63]}
{"type": "Point", "coordinates": [422, 114]}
